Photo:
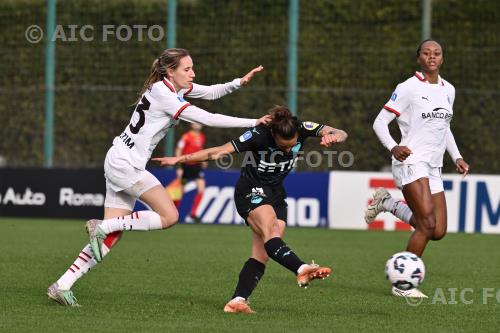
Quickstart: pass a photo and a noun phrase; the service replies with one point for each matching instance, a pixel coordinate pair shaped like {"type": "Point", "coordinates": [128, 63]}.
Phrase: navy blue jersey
{"type": "Point", "coordinates": [268, 164]}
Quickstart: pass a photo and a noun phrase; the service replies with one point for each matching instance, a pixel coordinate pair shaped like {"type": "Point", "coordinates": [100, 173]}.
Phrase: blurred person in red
{"type": "Point", "coordinates": [191, 142]}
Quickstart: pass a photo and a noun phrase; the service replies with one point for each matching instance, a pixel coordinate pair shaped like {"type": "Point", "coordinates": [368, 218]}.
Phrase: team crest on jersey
{"type": "Point", "coordinates": [245, 136]}
{"type": "Point", "coordinates": [394, 97]}
{"type": "Point", "coordinates": [310, 125]}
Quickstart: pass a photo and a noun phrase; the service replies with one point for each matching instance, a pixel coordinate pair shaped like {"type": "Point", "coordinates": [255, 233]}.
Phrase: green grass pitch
{"type": "Point", "coordinates": [178, 280]}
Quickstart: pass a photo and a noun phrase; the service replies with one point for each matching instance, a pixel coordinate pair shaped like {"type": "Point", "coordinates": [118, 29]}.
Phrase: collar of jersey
{"type": "Point", "coordinates": [169, 85]}
{"type": "Point", "coordinates": [421, 78]}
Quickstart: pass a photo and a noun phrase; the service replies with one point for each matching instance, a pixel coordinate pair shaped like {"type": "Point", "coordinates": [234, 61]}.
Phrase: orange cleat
{"type": "Point", "coordinates": [312, 272]}
{"type": "Point", "coordinates": [238, 305]}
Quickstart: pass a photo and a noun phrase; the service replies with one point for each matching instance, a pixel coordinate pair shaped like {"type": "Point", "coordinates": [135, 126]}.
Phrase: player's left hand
{"type": "Point", "coordinates": [462, 167]}
{"type": "Point", "coordinates": [330, 139]}
{"type": "Point", "coordinates": [170, 160]}
{"type": "Point", "coordinates": [247, 78]}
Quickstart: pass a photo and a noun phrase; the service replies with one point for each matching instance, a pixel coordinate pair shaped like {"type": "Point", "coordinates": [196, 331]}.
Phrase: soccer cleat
{"type": "Point", "coordinates": [414, 293]}
{"type": "Point", "coordinates": [311, 272]}
{"type": "Point", "coordinates": [375, 207]}
{"type": "Point", "coordinates": [63, 297]}
{"type": "Point", "coordinates": [238, 305]}
{"type": "Point", "coordinates": [97, 236]}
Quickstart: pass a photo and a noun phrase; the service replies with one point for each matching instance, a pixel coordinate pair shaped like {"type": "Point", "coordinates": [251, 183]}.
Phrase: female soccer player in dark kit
{"type": "Point", "coordinates": [260, 196]}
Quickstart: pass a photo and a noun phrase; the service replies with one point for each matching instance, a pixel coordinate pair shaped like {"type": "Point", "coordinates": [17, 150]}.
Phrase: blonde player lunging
{"type": "Point", "coordinates": [159, 108]}
{"type": "Point", "coordinates": [423, 106]}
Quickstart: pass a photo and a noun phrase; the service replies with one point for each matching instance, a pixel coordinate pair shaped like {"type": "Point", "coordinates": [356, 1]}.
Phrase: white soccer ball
{"type": "Point", "coordinates": [405, 270]}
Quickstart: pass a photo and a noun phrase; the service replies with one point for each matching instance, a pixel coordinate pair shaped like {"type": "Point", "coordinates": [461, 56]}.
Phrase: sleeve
{"type": "Point", "coordinates": [212, 92]}
{"type": "Point", "coordinates": [251, 140]}
{"type": "Point", "coordinates": [451, 146]}
{"type": "Point", "coordinates": [400, 100]}
{"type": "Point", "coordinates": [381, 128]}
{"type": "Point", "coordinates": [452, 95]}
{"type": "Point", "coordinates": [309, 128]}
{"type": "Point", "coordinates": [172, 105]}
{"type": "Point", "coordinates": [192, 113]}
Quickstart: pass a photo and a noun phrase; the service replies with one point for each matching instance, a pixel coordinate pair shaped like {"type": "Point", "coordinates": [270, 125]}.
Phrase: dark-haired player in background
{"type": "Point", "coordinates": [260, 196]}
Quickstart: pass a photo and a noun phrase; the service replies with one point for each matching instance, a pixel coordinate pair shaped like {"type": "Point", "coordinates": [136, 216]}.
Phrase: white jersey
{"type": "Point", "coordinates": [159, 109]}
{"type": "Point", "coordinates": [424, 113]}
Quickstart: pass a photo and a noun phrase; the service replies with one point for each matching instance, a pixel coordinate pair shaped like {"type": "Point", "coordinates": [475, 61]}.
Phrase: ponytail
{"type": "Point", "coordinates": [283, 123]}
{"type": "Point", "coordinates": [169, 59]}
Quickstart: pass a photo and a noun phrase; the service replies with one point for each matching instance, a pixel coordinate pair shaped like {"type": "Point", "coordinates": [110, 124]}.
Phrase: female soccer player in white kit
{"type": "Point", "coordinates": [423, 106]}
{"type": "Point", "coordinates": [160, 107]}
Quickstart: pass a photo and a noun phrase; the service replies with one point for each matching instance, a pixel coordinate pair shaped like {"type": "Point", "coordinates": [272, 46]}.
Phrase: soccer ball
{"type": "Point", "coordinates": [405, 270]}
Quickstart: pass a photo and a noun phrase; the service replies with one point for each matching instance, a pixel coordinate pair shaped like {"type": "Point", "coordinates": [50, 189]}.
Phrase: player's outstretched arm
{"type": "Point", "coordinates": [216, 91]}
{"type": "Point", "coordinates": [248, 77]}
{"type": "Point", "coordinates": [330, 135]}
{"type": "Point", "coordinates": [208, 154]}
{"type": "Point", "coordinates": [197, 115]}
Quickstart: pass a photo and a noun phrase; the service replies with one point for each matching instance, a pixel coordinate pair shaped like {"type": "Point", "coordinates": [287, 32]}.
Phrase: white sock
{"type": "Point", "coordinates": [301, 268]}
{"type": "Point", "coordinates": [238, 298]}
{"type": "Point", "coordinates": [143, 220]}
{"type": "Point", "coordinates": [83, 263]}
{"type": "Point", "coordinates": [398, 208]}
{"type": "Point", "coordinates": [81, 266]}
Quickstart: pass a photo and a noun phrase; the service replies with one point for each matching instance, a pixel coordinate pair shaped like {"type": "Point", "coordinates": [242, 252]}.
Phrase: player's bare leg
{"type": "Point", "coordinates": [440, 212]}
{"type": "Point", "coordinates": [418, 197]}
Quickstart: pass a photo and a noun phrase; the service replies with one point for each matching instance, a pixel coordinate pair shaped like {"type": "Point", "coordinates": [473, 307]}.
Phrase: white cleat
{"type": "Point", "coordinates": [63, 297]}
{"type": "Point", "coordinates": [414, 293]}
{"type": "Point", "coordinates": [375, 207]}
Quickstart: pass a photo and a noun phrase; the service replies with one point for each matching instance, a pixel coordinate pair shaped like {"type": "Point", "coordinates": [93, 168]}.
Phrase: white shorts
{"type": "Point", "coordinates": [408, 173]}
{"type": "Point", "coordinates": [124, 183]}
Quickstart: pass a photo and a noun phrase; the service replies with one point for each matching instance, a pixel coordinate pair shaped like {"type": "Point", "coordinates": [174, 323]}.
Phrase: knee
{"type": "Point", "coordinates": [169, 219]}
{"type": "Point", "coordinates": [272, 231]}
{"type": "Point", "coordinates": [427, 225]}
{"type": "Point", "coordinates": [438, 234]}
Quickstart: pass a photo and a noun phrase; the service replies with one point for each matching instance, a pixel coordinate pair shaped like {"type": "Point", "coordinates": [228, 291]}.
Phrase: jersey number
{"type": "Point", "coordinates": [143, 105]}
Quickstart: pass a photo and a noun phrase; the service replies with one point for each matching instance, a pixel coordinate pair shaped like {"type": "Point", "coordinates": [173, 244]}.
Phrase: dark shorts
{"type": "Point", "coordinates": [190, 172]}
{"type": "Point", "coordinates": [249, 195]}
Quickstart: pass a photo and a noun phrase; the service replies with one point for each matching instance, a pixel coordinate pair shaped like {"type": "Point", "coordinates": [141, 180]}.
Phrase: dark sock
{"type": "Point", "coordinates": [250, 275]}
{"type": "Point", "coordinates": [279, 252]}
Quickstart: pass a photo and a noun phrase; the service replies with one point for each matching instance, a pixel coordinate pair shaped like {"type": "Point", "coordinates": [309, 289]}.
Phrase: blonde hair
{"type": "Point", "coordinates": [169, 59]}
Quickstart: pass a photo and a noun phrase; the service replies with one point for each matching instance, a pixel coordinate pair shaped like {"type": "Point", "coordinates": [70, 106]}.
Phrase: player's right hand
{"type": "Point", "coordinates": [401, 153]}
{"type": "Point", "coordinates": [248, 77]}
{"type": "Point", "coordinates": [171, 160]}
{"type": "Point", "coordinates": [263, 120]}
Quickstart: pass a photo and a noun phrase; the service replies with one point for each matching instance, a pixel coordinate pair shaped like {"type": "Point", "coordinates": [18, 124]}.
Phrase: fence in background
{"type": "Point", "coordinates": [350, 55]}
